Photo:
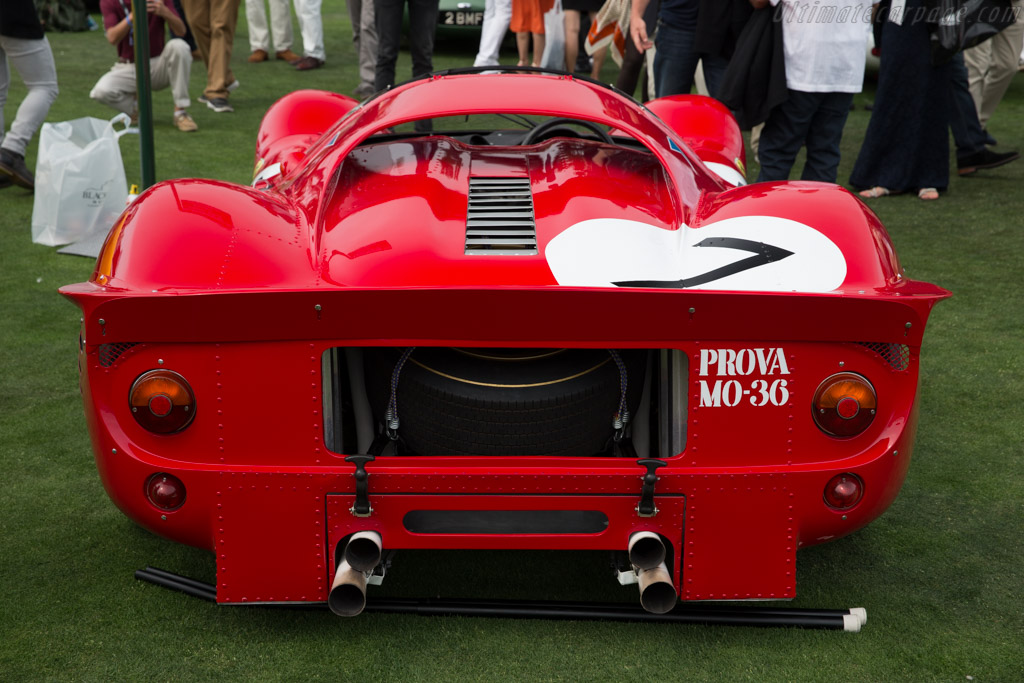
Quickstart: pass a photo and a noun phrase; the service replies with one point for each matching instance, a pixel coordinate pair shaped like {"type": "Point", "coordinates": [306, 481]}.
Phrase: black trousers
{"type": "Point", "coordinates": [422, 22]}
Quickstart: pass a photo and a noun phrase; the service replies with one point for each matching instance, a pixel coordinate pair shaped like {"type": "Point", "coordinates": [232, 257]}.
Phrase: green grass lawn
{"type": "Point", "coordinates": [940, 573]}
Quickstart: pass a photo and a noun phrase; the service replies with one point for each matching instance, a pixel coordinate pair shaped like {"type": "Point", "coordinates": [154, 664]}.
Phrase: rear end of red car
{"type": "Point", "coordinates": [703, 437]}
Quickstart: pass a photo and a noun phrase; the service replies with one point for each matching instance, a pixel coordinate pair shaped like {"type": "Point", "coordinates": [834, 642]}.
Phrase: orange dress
{"type": "Point", "coordinates": [528, 15]}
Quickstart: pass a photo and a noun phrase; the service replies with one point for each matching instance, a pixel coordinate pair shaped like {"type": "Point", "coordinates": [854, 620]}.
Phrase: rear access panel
{"type": "Point", "coordinates": [740, 539]}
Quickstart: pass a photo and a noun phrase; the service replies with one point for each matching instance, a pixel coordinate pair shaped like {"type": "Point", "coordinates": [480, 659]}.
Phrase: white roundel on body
{"type": "Point", "coordinates": [748, 253]}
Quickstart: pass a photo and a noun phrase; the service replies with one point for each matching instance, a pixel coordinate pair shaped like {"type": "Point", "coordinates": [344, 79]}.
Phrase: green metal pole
{"type": "Point", "coordinates": [144, 92]}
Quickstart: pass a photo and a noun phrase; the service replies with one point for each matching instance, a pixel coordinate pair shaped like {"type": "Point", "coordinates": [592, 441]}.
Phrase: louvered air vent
{"type": "Point", "coordinates": [500, 217]}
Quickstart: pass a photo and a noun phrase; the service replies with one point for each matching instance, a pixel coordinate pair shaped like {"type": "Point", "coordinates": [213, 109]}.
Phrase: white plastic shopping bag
{"type": "Point", "coordinates": [80, 181]}
{"type": "Point", "coordinates": [554, 38]}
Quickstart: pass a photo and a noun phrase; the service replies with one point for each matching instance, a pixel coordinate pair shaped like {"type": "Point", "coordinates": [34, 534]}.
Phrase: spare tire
{"type": "Point", "coordinates": [558, 402]}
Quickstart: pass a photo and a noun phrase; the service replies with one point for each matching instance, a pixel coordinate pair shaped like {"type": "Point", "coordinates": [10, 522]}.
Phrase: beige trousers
{"type": "Point", "coordinates": [992, 65]}
{"type": "Point", "coordinates": [280, 25]}
{"type": "Point", "coordinates": [117, 87]}
{"type": "Point", "coordinates": [213, 26]}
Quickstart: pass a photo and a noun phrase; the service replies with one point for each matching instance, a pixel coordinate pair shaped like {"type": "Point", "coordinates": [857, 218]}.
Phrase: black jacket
{"type": "Point", "coordinates": [719, 25]}
{"type": "Point", "coordinates": [19, 19]}
{"type": "Point", "coordinates": [755, 82]}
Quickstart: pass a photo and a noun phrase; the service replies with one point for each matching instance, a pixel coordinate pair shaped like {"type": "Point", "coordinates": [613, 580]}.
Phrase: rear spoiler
{"type": "Point", "coordinates": [536, 316]}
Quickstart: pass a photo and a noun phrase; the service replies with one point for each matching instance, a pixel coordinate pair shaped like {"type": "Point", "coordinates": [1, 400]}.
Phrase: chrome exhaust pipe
{"type": "Point", "coordinates": [363, 551]}
{"type": "Point", "coordinates": [348, 592]}
{"type": "Point", "coordinates": [657, 594]}
{"type": "Point", "coordinates": [646, 550]}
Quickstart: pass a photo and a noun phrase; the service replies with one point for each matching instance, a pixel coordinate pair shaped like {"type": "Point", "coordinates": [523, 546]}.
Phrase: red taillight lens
{"type": "Point", "coordinates": [165, 491]}
{"type": "Point", "coordinates": [162, 401]}
{"type": "Point", "coordinates": [843, 491]}
{"type": "Point", "coordinates": [844, 404]}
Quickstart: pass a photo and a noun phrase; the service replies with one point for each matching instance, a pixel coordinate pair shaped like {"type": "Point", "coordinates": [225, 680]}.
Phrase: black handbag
{"type": "Point", "coordinates": [956, 25]}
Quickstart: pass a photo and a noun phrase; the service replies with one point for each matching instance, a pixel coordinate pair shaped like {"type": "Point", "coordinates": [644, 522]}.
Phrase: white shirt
{"type": "Point", "coordinates": [825, 43]}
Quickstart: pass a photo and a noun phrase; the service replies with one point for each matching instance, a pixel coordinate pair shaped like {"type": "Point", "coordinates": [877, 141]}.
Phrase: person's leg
{"type": "Point", "coordinates": [497, 14]}
{"type": "Point", "coordinates": [714, 72]}
{"type": "Point", "coordinates": [5, 83]}
{"type": "Point", "coordinates": [674, 60]}
{"type": "Point", "coordinates": [1005, 50]}
{"type": "Point", "coordinates": [971, 153]}
{"type": "Point", "coordinates": [33, 60]}
{"type": "Point", "coordinates": [354, 9]}
{"type": "Point", "coordinates": [389, 33]}
{"type": "Point", "coordinates": [629, 70]}
{"type": "Point", "coordinates": [595, 69]}
{"type": "Point", "coordinates": [977, 60]}
{"type": "Point", "coordinates": [824, 135]}
{"type": "Point", "coordinates": [367, 43]}
{"type": "Point", "coordinates": [571, 19]}
{"type": "Point", "coordinates": [223, 18]}
{"type": "Point", "coordinates": [422, 25]}
{"type": "Point", "coordinates": [538, 48]}
{"type": "Point", "coordinates": [172, 69]}
{"type": "Point", "coordinates": [355, 13]}
{"type": "Point", "coordinates": [198, 12]}
{"type": "Point", "coordinates": [177, 65]}
{"type": "Point", "coordinates": [256, 18]}
{"type": "Point", "coordinates": [783, 134]}
{"type": "Point", "coordinates": [523, 47]}
{"type": "Point", "coordinates": [281, 25]}
{"type": "Point", "coordinates": [116, 88]}
{"type": "Point", "coordinates": [312, 28]}
{"type": "Point", "coordinates": [963, 117]}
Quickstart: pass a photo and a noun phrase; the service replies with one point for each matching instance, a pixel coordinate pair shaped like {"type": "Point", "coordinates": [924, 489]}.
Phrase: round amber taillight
{"type": "Point", "coordinates": [843, 491]}
{"type": "Point", "coordinates": [165, 491]}
{"type": "Point", "coordinates": [844, 404]}
{"type": "Point", "coordinates": [162, 401]}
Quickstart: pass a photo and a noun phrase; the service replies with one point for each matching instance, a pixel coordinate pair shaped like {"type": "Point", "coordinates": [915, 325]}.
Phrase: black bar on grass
{"type": "Point", "coordinates": [203, 592]}
{"type": "Point", "coordinates": [712, 615]}
{"type": "Point", "coordinates": [200, 585]}
{"type": "Point", "coordinates": [732, 616]}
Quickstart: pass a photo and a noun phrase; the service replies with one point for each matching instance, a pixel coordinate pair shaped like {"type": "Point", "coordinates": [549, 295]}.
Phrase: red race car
{"type": "Point", "coordinates": [500, 311]}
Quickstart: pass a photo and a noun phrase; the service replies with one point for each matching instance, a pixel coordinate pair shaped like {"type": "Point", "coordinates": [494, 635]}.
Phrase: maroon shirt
{"type": "Point", "coordinates": [114, 13]}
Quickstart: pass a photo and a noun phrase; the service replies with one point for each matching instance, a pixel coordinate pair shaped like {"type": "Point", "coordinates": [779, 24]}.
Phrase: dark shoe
{"type": "Point", "coordinates": [258, 56]}
{"type": "Point", "coordinates": [363, 91]}
{"type": "Point", "coordinates": [288, 56]}
{"type": "Point", "coordinates": [307, 63]}
{"type": "Point", "coordinates": [13, 167]}
{"type": "Point", "coordinates": [218, 104]}
{"type": "Point", "coordinates": [986, 158]}
{"type": "Point", "coordinates": [989, 140]}
{"type": "Point", "coordinates": [5, 182]}
{"type": "Point", "coordinates": [203, 99]}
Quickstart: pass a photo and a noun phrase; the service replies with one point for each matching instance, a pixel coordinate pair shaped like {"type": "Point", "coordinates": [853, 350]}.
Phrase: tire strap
{"type": "Point", "coordinates": [621, 417]}
{"type": "Point", "coordinates": [391, 414]}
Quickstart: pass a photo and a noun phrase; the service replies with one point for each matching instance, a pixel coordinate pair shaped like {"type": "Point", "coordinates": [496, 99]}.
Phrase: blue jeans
{"type": "Point", "coordinates": [675, 62]}
{"type": "Point", "coordinates": [811, 119]}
